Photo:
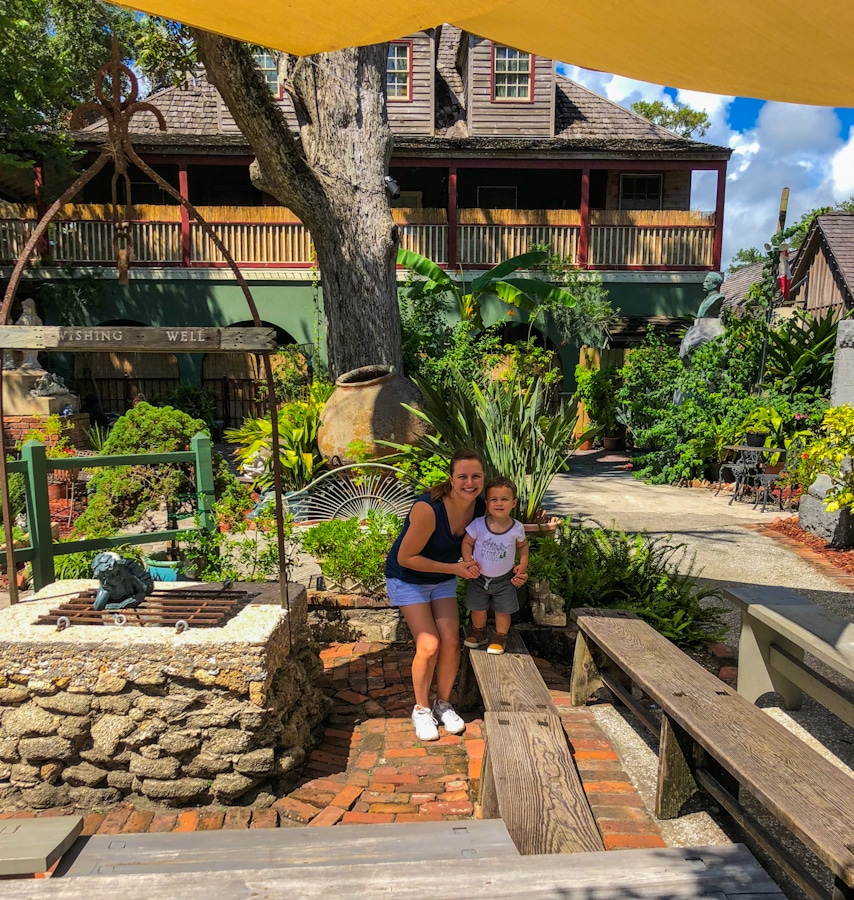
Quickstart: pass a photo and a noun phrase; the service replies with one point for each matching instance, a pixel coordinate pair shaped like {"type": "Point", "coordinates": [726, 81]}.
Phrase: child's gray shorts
{"type": "Point", "coordinates": [498, 594]}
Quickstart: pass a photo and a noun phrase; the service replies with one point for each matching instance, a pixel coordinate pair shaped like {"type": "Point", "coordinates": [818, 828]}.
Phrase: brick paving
{"type": "Point", "coordinates": [370, 769]}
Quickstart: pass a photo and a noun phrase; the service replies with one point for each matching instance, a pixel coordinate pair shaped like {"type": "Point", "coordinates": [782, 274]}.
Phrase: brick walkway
{"type": "Point", "coordinates": [369, 768]}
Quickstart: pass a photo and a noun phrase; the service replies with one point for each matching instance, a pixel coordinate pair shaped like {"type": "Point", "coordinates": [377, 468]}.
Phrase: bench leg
{"type": "Point", "coordinates": [488, 798]}
{"type": "Point", "coordinates": [675, 784]}
{"type": "Point", "coordinates": [468, 693]}
{"type": "Point", "coordinates": [841, 890]}
{"type": "Point", "coordinates": [755, 674]}
{"type": "Point", "coordinates": [584, 679]}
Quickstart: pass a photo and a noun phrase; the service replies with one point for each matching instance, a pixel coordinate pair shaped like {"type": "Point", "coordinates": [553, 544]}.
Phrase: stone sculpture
{"type": "Point", "coordinates": [707, 326]}
{"type": "Point", "coordinates": [30, 360]}
{"type": "Point", "coordinates": [124, 582]}
{"type": "Point", "coordinates": [48, 385]}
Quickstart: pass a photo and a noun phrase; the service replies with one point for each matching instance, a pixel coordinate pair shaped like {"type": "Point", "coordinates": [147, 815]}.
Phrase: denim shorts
{"type": "Point", "coordinates": [403, 593]}
{"type": "Point", "coordinates": [498, 594]}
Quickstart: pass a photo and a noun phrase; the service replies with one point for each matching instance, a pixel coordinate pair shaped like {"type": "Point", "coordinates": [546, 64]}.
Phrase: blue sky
{"type": "Point", "coordinates": [809, 149]}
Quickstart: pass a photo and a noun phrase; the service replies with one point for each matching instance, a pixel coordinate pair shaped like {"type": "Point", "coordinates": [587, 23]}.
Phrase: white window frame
{"type": "Point", "coordinates": [507, 65]}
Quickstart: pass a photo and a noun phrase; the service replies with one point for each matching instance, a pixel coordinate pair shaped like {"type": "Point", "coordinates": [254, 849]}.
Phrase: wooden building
{"type": "Point", "coordinates": [823, 276]}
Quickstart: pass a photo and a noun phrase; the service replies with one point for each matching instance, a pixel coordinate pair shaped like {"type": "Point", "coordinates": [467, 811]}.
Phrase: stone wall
{"type": "Point", "coordinates": [208, 715]}
{"type": "Point", "coordinates": [335, 616]}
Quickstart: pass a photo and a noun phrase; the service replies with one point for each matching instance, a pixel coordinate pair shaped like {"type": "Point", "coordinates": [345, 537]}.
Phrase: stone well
{"type": "Point", "coordinates": [94, 714]}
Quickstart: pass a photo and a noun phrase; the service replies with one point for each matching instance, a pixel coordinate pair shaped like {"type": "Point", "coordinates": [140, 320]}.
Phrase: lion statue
{"type": "Point", "coordinates": [124, 582]}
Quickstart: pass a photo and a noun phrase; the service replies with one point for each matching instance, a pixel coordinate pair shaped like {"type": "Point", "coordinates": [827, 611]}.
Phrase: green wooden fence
{"type": "Point", "coordinates": [35, 466]}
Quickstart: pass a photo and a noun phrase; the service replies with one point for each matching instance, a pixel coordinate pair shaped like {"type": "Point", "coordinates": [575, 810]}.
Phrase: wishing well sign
{"type": "Point", "coordinates": [137, 339]}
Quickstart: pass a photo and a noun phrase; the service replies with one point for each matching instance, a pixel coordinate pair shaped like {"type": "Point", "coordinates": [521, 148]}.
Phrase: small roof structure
{"type": "Point", "coordinates": [832, 233]}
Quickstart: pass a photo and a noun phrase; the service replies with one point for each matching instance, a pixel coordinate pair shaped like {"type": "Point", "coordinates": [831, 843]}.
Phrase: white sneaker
{"type": "Point", "coordinates": [447, 715]}
{"type": "Point", "coordinates": [425, 724]}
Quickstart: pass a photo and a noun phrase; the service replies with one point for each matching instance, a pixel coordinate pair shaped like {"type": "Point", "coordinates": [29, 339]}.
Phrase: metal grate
{"type": "Point", "coordinates": [178, 609]}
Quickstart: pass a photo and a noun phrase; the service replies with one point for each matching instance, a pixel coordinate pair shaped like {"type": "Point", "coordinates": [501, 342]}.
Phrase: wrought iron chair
{"type": "Point", "coordinates": [744, 470]}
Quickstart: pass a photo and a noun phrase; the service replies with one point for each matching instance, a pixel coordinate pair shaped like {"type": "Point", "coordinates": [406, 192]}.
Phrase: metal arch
{"type": "Point", "coordinates": [353, 491]}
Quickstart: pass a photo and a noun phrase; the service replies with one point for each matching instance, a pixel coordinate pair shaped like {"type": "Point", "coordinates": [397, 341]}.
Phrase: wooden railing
{"type": "Point", "coordinates": [274, 237]}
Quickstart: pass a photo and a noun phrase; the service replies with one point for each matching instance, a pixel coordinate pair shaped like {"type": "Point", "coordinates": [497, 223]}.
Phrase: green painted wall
{"type": "Point", "coordinates": [197, 298]}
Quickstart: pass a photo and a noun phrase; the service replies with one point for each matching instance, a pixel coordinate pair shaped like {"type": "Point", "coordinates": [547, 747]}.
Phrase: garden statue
{"type": "Point", "coordinates": [707, 326]}
{"type": "Point", "coordinates": [124, 582]}
{"type": "Point", "coordinates": [49, 385]}
{"type": "Point", "coordinates": [30, 361]}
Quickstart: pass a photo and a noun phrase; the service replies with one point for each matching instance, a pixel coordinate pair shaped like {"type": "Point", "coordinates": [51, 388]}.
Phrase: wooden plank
{"type": "Point", "coordinates": [34, 845]}
{"type": "Point", "coordinates": [840, 702]}
{"type": "Point", "coordinates": [220, 851]}
{"type": "Point", "coordinates": [137, 339]}
{"type": "Point", "coordinates": [538, 789]}
{"type": "Point", "coordinates": [511, 681]}
{"type": "Point", "coordinates": [677, 873]}
{"type": "Point", "coordinates": [804, 791]}
{"type": "Point", "coordinates": [675, 784]}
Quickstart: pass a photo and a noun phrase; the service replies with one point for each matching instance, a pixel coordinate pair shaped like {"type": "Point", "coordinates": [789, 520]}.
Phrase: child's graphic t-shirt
{"type": "Point", "coordinates": [495, 553]}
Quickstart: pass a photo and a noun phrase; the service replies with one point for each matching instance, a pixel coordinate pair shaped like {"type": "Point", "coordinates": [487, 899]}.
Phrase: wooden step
{"type": "Point", "coordinates": [727, 872]}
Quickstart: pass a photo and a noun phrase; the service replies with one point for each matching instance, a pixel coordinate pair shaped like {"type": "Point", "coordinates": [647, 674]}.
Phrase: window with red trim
{"type": "Point", "coordinates": [512, 72]}
{"type": "Point", "coordinates": [399, 71]}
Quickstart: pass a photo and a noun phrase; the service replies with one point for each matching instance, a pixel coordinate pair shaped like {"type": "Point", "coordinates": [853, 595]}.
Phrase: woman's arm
{"type": "Point", "coordinates": [422, 524]}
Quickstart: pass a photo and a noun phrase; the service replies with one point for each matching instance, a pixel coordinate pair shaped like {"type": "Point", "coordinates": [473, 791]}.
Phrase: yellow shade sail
{"type": "Point", "coordinates": [772, 49]}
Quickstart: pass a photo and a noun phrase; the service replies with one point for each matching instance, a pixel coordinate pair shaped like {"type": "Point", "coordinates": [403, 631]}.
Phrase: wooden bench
{"type": "Point", "coordinates": [718, 873]}
{"type": "Point", "coordinates": [777, 627]}
{"type": "Point", "coordinates": [529, 776]}
{"type": "Point", "coordinates": [711, 737]}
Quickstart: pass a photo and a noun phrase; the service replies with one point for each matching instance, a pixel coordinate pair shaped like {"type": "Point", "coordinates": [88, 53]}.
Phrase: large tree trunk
{"type": "Point", "coordinates": [333, 178]}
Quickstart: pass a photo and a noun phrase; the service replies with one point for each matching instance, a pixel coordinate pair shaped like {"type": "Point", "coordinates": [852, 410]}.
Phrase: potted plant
{"type": "Point", "coordinates": [598, 390]}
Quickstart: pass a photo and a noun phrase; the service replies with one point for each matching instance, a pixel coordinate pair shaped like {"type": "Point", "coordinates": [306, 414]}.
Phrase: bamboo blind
{"type": "Point", "coordinates": [519, 217]}
{"type": "Point", "coordinates": [650, 217]}
{"type": "Point", "coordinates": [426, 216]}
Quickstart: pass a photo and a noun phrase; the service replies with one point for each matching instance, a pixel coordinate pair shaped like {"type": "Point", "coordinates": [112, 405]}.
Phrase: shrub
{"type": "Point", "coordinates": [348, 549]}
{"type": "Point", "coordinates": [608, 568]}
{"type": "Point", "coordinates": [194, 400]}
{"type": "Point", "coordinates": [831, 454]}
{"type": "Point", "coordinates": [125, 495]}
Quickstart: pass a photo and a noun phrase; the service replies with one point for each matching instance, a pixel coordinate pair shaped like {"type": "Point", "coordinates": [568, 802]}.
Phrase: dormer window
{"type": "Point", "coordinates": [268, 64]}
{"type": "Point", "coordinates": [399, 71]}
{"type": "Point", "coordinates": [512, 74]}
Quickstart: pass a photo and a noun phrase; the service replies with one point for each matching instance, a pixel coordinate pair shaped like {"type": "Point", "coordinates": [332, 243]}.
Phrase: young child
{"type": "Point", "coordinates": [493, 541]}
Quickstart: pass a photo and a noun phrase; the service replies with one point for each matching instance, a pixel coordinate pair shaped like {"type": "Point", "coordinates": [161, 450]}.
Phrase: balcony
{"type": "Point", "coordinates": [272, 237]}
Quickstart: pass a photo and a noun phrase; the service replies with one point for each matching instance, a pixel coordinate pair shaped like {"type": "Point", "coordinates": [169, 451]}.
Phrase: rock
{"type": "Point", "coordinates": [289, 759]}
{"type": "Point", "coordinates": [123, 781]}
{"type": "Point", "coordinates": [9, 695]}
{"type": "Point", "coordinates": [74, 727]}
{"type": "Point", "coordinates": [205, 766]}
{"type": "Point", "coordinates": [99, 758]}
{"type": "Point", "coordinates": [109, 730]}
{"type": "Point", "coordinates": [119, 704]}
{"type": "Point", "coordinates": [50, 772]}
{"type": "Point", "coordinates": [92, 798]}
{"type": "Point", "coordinates": [147, 733]}
{"type": "Point", "coordinates": [179, 791]}
{"type": "Point", "coordinates": [53, 747]}
{"type": "Point", "coordinates": [258, 762]}
{"type": "Point", "coordinates": [227, 742]}
{"type": "Point", "coordinates": [836, 528]}
{"type": "Point", "coordinates": [151, 751]}
{"type": "Point", "coordinates": [232, 785]}
{"type": "Point", "coordinates": [149, 679]}
{"type": "Point", "coordinates": [23, 773]}
{"type": "Point", "coordinates": [84, 775]}
{"type": "Point", "coordinates": [67, 704]}
{"type": "Point", "coordinates": [41, 686]}
{"type": "Point", "coordinates": [9, 749]}
{"type": "Point", "coordinates": [161, 707]}
{"type": "Point", "coordinates": [29, 719]}
{"type": "Point", "coordinates": [177, 743]}
{"type": "Point", "coordinates": [164, 769]}
{"type": "Point", "coordinates": [108, 683]}
{"type": "Point", "coordinates": [45, 796]}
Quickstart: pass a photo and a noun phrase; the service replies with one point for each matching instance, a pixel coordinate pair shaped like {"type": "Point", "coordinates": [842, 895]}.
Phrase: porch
{"type": "Point", "coordinates": [273, 237]}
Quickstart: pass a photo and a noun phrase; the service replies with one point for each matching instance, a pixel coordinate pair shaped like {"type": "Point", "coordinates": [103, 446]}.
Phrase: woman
{"type": "Point", "coordinates": [421, 576]}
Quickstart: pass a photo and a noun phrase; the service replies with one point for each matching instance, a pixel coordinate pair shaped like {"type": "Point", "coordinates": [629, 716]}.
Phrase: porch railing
{"type": "Point", "coordinates": [616, 240]}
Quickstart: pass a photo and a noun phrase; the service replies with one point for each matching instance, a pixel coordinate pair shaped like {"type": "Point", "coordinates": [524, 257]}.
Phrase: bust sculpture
{"type": "Point", "coordinates": [707, 326]}
{"type": "Point", "coordinates": [124, 582]}
{"type": "Point", "coordinates": [711, 305]}
{"type": "Point", "coordinates": [30, 360]}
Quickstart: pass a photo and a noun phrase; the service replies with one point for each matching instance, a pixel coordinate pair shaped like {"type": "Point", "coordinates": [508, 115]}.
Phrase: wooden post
{"type": "Point", "coordinates": [584, 232]}
{"type": "Point", "coordinates": [201, 446]}
{"type": "Point", "coordinates": [717, 247]}
{"type": "Point", "coordinates": [584, 679]}
{"type": "Point", "coordinates": [675, 784]}
{"type": "Point", "coordinates": [452, 216]}
{"type": "Point", "coordinates": [183, 187]}
{"type": "Point", "coordinates": [34, 454]}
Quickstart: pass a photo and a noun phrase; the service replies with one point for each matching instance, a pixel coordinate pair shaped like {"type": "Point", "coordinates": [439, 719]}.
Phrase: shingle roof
{"type": "Point", "coordinates": [584, 121]}
{"type": "Point", "coordinates": [736, 286]}
{"type": "Point", "coordinates": [192, 108]}
{"type": "Point", "coordinates": [838, 231]}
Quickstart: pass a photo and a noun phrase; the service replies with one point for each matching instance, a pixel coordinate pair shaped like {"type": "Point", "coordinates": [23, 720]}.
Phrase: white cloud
{"type": "Point", "coordinates": [792, 146]}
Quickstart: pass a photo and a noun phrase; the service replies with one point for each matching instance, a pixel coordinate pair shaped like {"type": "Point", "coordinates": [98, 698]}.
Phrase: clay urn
{"type": "Point", "coordinates": [365, 408]}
